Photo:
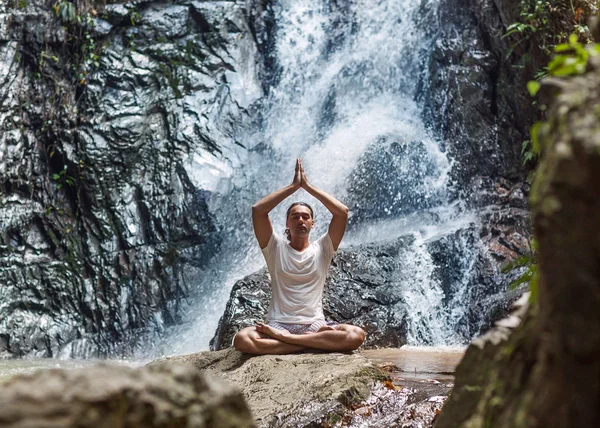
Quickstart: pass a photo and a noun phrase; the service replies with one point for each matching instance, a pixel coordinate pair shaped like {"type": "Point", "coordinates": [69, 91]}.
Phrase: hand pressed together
{"type": "Point", "coordinates": [300, 179]}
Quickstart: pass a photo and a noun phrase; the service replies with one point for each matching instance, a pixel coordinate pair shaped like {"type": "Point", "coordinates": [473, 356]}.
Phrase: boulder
{"type": "Point", "coordinates": [117, 396]}
{"type": "Point", "coordinates": [291, 390]}
{"type": "Point", "coordinates": [360, 289]}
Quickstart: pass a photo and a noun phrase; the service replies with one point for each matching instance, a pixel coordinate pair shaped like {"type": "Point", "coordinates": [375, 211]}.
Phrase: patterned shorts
{"type": "Point", "coordinates": [301, 328]}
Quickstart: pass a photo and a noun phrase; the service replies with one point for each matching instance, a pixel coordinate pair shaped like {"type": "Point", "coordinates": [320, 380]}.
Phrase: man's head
{"type": "Point", "coordinates": [299, 220]}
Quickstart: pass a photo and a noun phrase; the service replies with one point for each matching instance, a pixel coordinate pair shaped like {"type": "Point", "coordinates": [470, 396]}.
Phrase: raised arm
{"type": "Point", "coordinates": [337, 227]}
{"type": "Point", "coordinates": [263, 229]}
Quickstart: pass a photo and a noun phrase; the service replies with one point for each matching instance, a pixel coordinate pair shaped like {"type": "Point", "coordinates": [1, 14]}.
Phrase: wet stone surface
{"type": "Point", "coordinates": [104, 226]}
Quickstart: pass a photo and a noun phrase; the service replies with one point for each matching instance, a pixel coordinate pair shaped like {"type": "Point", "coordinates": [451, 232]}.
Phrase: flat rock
{"type": "Point", "coordinates": [290, 390]}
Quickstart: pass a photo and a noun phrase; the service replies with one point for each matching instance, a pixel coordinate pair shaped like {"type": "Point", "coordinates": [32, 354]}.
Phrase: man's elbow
{"type": "Point", "coordinates": [257, 210]}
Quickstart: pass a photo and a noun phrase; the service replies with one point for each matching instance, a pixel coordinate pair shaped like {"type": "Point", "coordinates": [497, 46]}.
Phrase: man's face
{"type": "Point", "coordinates": [300, 221]}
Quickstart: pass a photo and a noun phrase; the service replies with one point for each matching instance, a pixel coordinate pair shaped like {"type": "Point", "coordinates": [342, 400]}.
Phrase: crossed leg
{"type": "Point", "coordinates": [263, 339]}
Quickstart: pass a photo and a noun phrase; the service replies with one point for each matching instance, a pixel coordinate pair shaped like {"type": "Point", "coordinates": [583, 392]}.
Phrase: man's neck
{"type": "Point", "coordinates": [300, 243]}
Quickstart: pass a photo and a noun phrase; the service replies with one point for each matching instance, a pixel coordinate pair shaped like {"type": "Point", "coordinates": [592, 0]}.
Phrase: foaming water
{"type": "Point", "coordinates": [342, 99]}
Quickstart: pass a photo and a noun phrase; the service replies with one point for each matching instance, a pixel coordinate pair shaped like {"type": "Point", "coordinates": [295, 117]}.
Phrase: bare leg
{"type": "Point", "coordinates": [343, 338]}
{"type": "Point", "coordinates": [251, 341]}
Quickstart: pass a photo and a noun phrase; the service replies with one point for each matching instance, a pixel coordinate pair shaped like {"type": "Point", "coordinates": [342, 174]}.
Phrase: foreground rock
{"type": "Point", "coordinates": [546, 373]}
{"type": "Point", "coordinates": [323, 390]}
{"type": "Point", "coordinates": [293, 390]}
{"type": "Point", "coordinates": [115, 396]}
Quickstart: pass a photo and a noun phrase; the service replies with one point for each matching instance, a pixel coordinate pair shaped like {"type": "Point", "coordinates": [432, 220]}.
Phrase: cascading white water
{"type": "Point", "coordinates": [344, 89]}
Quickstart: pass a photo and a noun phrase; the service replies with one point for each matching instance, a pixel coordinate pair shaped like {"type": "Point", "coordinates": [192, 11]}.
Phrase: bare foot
{"type": "Point", "coordinates": [272, 332]}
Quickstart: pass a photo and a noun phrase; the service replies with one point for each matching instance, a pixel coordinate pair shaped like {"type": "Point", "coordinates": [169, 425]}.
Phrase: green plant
{"type": "Point", "coordinates": [530, 275]}
{"type": "Point", "coordinates": [62, 178]}
{"type": "Point", "coordinates": [572, 57]}
{"type": "Point", "coordinates": [548, 23]}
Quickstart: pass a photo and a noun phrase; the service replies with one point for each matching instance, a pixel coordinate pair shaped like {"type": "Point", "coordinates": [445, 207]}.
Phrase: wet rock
{"type": "Point", "coordinates": [476, 98]}
{"type": "Point", "coordinates": [109, 396]}
{"type": "Point", "coordinates": [104, 220]}
{"type": "Point", "coordinates": [291, 390]}
{"type": "Point", "coordinates": [309, 390]}
{"type": "Point", "coordinates": [392, 178]}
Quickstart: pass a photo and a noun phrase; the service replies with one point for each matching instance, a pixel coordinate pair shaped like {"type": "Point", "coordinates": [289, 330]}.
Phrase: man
{"type": "Point", "coordinates": [298, 270]}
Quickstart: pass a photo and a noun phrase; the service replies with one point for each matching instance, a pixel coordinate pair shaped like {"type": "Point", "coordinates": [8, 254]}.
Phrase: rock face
{"type": "Point", "coordinates": [104, 116]}
{"type": "Point", "coordinates": [113, 396]}
{"type": "Point", "coordinates": [546, 373]}
{"type": "Point", "coordinates": [367, 285]}
{"type": "Point", "coordinates": [291, 390]}
{"type": "Point", "coordinates": [476, 97]}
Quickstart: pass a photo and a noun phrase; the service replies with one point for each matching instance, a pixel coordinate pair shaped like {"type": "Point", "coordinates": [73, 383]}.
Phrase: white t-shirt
{"type": "Point", "coordinates": [297, 279]}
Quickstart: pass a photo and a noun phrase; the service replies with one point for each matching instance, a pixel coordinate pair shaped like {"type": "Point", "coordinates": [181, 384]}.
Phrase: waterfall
{"type": "Point", "coordinates": [342, 98]}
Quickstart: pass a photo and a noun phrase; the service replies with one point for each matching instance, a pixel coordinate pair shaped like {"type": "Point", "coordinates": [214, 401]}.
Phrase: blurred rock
{"type": "Point", "coordinates": [117, 396]}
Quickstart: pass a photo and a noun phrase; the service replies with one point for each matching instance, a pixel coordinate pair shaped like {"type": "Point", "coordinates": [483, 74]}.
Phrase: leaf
{"type": "Point", "coordinates": [563, 47]}
{"type": "Point", "coordinates": [528, 156]}
{"type": "Point", "coordinates": [389, 385]}
{"type": "Point", "coordinates": [526, 277]}
{"type": "Point", "coordinates": [533, 87]}
{"type": "Point", "coordinates": [533, 288]}
{"type": "Point", "coordinates": [573, 39]}
{"type": "Point", "coordinates": [521, 261]}
{"type": "Point", "coordinates": [556, 62]}
{"type": "Point", "coordinates": [535, 142]}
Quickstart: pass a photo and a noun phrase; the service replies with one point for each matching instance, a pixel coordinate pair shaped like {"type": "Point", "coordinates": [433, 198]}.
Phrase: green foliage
{"type": "Point", "coordinates": [559, 28]}
{"type": "Point", "coordinates": [533, 87]}
{"type": "Point", "coordinates": [572, 58]}
{"type": "Point", "coordinates": [65, 10]}
{"type": "Point", "coordinates": [527, 153]}
{"type": "Point", "coordinates": [549, 23]}
{"type": "Point", "coordinates": [530, 275]}
{"type": "Point", "coordinates": [62, 178]}
{"type": "Point", "coordinates": [79, 25]}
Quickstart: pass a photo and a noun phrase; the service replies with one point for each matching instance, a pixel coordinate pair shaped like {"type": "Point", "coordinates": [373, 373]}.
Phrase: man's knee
{"type": "Point", "coordinates": [243, 342]}
{"type": "Point", "coordinates": [356, 337]}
